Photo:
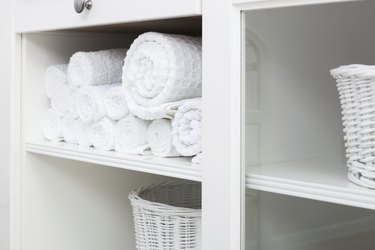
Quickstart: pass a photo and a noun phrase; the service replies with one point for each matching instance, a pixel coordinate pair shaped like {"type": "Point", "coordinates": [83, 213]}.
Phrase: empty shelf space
{"type": "Point", "coordinates": [173, 167]}
{"type": "Point", "coordinates": [323, 179]}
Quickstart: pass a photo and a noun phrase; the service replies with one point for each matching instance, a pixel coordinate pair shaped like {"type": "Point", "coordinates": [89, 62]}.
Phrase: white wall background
{"type": "Point", "coordinates": [5, 80]}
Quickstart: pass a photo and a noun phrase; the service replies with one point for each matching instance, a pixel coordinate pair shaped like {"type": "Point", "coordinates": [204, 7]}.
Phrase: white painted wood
{"type": "Point", "coordinates": [266, 4]}
{"type": "Point", "coordinates": [173, 167]}
{"type": "Point", "coordinates": [43, 15]}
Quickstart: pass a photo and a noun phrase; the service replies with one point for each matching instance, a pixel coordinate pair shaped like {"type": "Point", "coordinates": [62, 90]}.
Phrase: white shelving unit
{"type": "Point", "coordinates": [285, 126]}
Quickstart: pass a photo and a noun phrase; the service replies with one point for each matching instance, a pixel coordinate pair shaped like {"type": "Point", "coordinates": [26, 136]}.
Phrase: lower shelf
{"type": "Point", "coordinates": [323, 179]}
{"type": "Point", "coordinates": [174, 167]}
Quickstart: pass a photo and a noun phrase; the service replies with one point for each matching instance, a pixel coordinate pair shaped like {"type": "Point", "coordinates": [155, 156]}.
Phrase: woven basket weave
{"type": "Point", "coordinates": [356, 87]}
{"type": "Point", "coordinates": [167, 216]}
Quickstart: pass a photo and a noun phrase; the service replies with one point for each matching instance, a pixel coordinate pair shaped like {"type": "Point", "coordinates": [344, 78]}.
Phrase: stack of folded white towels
{"type": "Point", "coordinates": [144, 100]}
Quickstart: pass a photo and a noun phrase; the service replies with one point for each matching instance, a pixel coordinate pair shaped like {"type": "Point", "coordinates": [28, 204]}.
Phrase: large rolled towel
{"type": "Point", "coordinates": [56, 80]}
{"type": "Point", "coordinates": [96, 68]}
{"type": "Point", "coordinates": [52, 127]}
{"type": "Point", "coordinates": [131, 135]}
{"type": "Point", "coordinates": [101, 134]}
{"type": "Point", "coordinates": [90, 102]}
{"type": "Point", "coordinates": [115, 103]}
{"type": "Point", "coordinates": [161, 68]}
{"type": "Point", "coordinates": [165, 110]}
{"type": "Point", "coordinates": [187, 128]}
{"type": "Point", "coordinates": [70, 128]}
{"type": "Point", "coordinates": [159, 137]}
{"type": "Point", "coordinates": [83, 134]}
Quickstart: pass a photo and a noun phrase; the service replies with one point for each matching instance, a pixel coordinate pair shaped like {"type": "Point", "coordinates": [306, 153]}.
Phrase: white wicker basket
{"type": "Point", "coordinates": [167, 216]}
{"type": "Point", "coordinates": [356, 87]}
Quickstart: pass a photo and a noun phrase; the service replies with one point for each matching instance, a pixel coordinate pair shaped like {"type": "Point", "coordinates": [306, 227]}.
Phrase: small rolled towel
{"type": "Point", "coordinates": [187, 128]}
{"type": "Point", "coordinates": [159, 137]}
{"type": "Point", "coordinates": [56, 80]}
{"type": "Point", "coordinates": [197, 159]}
{"type": "Point", "coordinates": [90, 102]}
{"type": "Point", "coordinates": [131, 135]}
{"type": "Point", "coordinates": [60, 103]}
{"type": "Point", "coordinates": [115, 103]}
{"type": "Point", "coordinates": [70, 128]}
{"type": "Point", "coordinates": [73, 104]}
{"type": "Point", "coordinates": [165, 110]}
{"type": "Point", "coordinates": [83, 134]}
{"type": "Point", "coordinates": [101, 134]}
{"type": "Point", "coordinates": [96, 68]}
{"type": "Point", "coordinates": [162, 68]}
{"type": "Point", "coordinates": [52, 127]}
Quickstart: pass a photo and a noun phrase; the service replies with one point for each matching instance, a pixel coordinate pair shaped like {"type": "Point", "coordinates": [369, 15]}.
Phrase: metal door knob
{"type": "Point", "coordinates": [80, 5]}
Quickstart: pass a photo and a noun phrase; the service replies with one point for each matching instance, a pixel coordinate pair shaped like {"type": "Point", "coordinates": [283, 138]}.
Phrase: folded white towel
{"type": "Point", "coordinates": [56, 80]}
{"type": "Point", "coordinates": [83, 134]}
{"type": "Point", "coordinates": [187, 128]}
{"type": "Point", "coordinates": [197, 159]}
{"type": "Point", "coordinates": [115, 103]}
{"type": "Point", "coordinates": [101, 134]}
{"type": "Point", "coordinates": [73, 104]}
{"type": "Point", "coordinates": [90, 102]}
{"type": "Point", "coordinates": [131, 135]}
{"type": "Point", "coordinates": [96, 68]}
{"type": "Point", "coordinates": [70, 128]}
{"type": "Point", "coordinates": [52, 128]}
{"type": "Point", "coordinates": [159, 137]}
{"type": "Point", "coordinates": [161, 68]}
{"type": "Point", "coordinates": [165, 110]}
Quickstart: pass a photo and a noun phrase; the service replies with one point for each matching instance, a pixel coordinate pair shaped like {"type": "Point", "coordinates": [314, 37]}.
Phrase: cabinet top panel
{"type": "Point", "coordinates": [48, 15]}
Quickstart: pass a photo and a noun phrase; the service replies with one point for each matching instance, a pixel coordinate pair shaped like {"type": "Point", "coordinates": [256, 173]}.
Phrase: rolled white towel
{"type": "Point", "coordinates": [70, 128]}
{"type": "Point", "coordinates": [101, 134]}
{"type": "Point", "coordinates": [131, 135]}
{"type": "Point", "coordinates": [197, 159]}
{"type": "Point", "coordinates": [165, 110]}
{"type": "Point", "coordinates": [187, 128]}
{"type": "Point", "coordinates": [73, 104]}
{"type": "Point", "coordinates": [115, 103]}
{"type": "Point", "coordinates": [159, 137]}
{"type": "Point", "coordinates": [96, 68]}
{"type": "Point", "coordinates": [90, 102]}
{"type": "Point", "coordinates": [52, 128]}
{"type": "Point", "coordinates": [60, 103]}
{"type": "Point", "coordinates": [161, 68]}
{"type": "Point", "coordinates": [56, 80]}
{"type": "Point", "coordinates": [83, 134]}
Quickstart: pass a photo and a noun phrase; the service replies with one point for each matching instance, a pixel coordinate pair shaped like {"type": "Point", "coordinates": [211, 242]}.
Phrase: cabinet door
{"type": "Point", "coordinates": [42, 15]}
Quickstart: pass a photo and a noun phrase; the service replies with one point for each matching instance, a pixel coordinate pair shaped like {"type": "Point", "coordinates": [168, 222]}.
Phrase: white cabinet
{"type": "Point", "coordinates": [274, 168]}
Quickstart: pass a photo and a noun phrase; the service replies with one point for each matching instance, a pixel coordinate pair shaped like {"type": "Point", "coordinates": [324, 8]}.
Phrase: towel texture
{"type": "Point", "coordinates": [83, 134]}
{"type": "Point", "coordinates": [159, 137]}
{"type": "Point", "coordinates": [56, 80]}
{"type": "Point", "coordinates": [90, 102]}
{"type": "Point", "coordinates": [73, 104]}
{"type": "Point", "coordinates": [52, 128]}
{"type": "Point", "coordinates": [131, 135]}
{"type": "Point", "coordinates": [187, 128]}
{"type": "Point", "coordinates": [70, 128]}
{"type": "Point", "coordinates": [115, 103]}
{"type": "Point", "coordinates": [96, 68]}
{"type": "Point", "coordinates": [197, 159]}
{"type": "Point", "coordinates": [101, 134]}
{"type": "Point", "coordinates": [165, 110]}
{"type": "Point", "coordinates": [161, 68]}
{"type": "Point", "coordinates": [60, 103]}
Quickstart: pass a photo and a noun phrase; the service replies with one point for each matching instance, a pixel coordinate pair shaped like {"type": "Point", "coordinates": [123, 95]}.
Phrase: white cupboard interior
{"type": "Point", "coordinates": [293, 132]}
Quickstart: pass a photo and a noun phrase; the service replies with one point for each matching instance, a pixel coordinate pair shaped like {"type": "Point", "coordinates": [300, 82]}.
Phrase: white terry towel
{"type": "Point", "coordinates": [90, 102]}
{"type": "Point", "coordinates": [60, 103]}
{"type": "Point", "coordinates": [165, 110]}
{"type": "Point", "coordinates": [101, 134]}
{"type": "Point", "coordinates": [52, 128]}
{"type": "Point", "coordinates": [115, 103]}
{"type": "Point", "coordinates": [83, 134]}
{"type": "Point", "coordinates": [161, 68]}
{"type": "Point", "coordinates": [56, 80]}
{"type": "Point", "coordinates": [159, 137]}
{"type": "Point", "coordinates": [96, 68]}
{"type": "Point", "coordinates": [197, 159]}
{"type": "Point", "coordinates": [131, 135]}
{"type": "Point", "coordinates": [73, 104]}
{"type": "Point", "coordinates": [70, 126]}
{"type": "Point", "coordinates": [187, 128]}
